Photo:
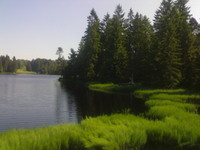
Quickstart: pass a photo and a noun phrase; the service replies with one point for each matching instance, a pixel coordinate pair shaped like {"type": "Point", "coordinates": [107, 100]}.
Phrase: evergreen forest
{"type": "Point", "coordinates": [128, 48]}
{"type": "Point", "coordinates": [40, 66]}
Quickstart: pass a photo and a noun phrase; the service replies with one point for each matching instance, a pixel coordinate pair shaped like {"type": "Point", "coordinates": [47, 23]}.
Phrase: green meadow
{"type": "Point", "coordinates": [22, 71]}
{"type": "Point", "coordinates": [172, 121]}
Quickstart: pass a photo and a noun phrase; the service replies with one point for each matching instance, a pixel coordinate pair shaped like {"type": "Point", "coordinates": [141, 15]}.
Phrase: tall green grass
{"type": "Point", "coordinates": [167, 103]}
{"type": "Point", "coordinates": [115, 132]}
{"type": "Point", "coordinates": [51, 138]}
{"type": "Point", "coordinates": [112, 88]}
{"type": "Point", "coordinates": [176, 119]}
{"type": "Point", "coordinates": [170, 122]}
{"type": "Point", "coordinates": [146, 93]}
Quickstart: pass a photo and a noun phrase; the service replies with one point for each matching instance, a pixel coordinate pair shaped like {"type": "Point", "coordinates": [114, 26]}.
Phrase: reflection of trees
{"type": "Point", "coordinates": [65, 106]}
{"type": "Point", "coordinates": [79, 103]}
{"type": "Point", "coordinates": [92, 103]}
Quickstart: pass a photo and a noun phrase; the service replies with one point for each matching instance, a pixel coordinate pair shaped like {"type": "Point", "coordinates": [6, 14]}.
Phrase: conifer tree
{"type": "Point", "coordinates": [186, 39]}
{"type": "Point", "coordinates": [120, 57]}
{"type": "Point", "coordinates": [92, 46]}
{"type": "Point", "coordinates": [115, 59]}
{"type": "Point", "coordinates": [167, 52]}
{"type": "Point", "coordinates": [138, 43]}
{"type": "Point", "coordinates": [77, 69]}
{"type": "Point", "coordinates": [1, 66]}
{"type": "Point", "coordinates": [105, 70]}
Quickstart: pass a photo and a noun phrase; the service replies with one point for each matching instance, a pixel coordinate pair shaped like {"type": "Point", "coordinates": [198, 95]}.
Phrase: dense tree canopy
{"type": "Point", "coordinates": [7, 64]}
{"type": "Point", "coordinates": [118, 49]}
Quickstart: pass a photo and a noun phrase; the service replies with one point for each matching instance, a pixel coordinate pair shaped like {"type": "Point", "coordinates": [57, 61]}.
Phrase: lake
{"type": "Point", "coordinates": [29, 101]}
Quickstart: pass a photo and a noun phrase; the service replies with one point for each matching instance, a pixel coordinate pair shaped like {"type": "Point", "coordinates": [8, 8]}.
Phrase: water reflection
{"type": "Point", "coordinates": [65, 106]}
{"type": "Point", "coordinates": [91, 103]}
{"type": "Point", "coordinates": [28, 101]}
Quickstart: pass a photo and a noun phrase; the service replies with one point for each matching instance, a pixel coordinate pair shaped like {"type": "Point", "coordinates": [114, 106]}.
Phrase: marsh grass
{"type": "Point", "coordinates": [170, 122]}
{"type": "Point", "coordinates": [112, 88]}
{"type": "Point", "coordinates": [176, 121]}
{"type": "Point", "coordinates": [168, 103]}
{"type": "Point", "coordinates": [50, 138]}
{"type": "Point", "coordinates": [146, 93]}
{"type": "Point", "coordinates": [114, 132]}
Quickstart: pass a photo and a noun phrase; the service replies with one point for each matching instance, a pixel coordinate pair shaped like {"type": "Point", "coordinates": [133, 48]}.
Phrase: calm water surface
{"type": "Point", "coordinates": [28, 101]}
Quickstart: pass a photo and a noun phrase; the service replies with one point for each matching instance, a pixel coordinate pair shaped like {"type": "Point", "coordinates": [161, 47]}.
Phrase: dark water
{"type": "Point", "coordinates": [28, 101]}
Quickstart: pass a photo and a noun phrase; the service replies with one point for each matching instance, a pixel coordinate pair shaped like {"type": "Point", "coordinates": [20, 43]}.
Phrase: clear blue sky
{"type": "Point", "coordinates": [32, 29]}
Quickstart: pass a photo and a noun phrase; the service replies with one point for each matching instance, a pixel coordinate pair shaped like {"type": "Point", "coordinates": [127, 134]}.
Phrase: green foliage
{"type": "Point", "coordinates": [89, 52]}
{"type": "Point", "coordinates": [7, 65]}
{"type": "Point", "coordinates": [21, 71]}
{"type": "Point", "coordinates": [187, 107]}
{"type": "Point", "coordinates": [146, 93]}
{"type": "Point", "coordinates": [186, 38]}
{"type": "Point", "coordinates": [41, 66]}
{"type": "Point", "coordinates": [178, 120]}
{"type": "Point", "coordinates": [138, 43]}
{"type": "Point", "coordinates": [112, 88]}
{"type": "Point", "coordinates": [121, 50]}
{"type": "Point", "coordinates": [120, 57]}
{"type": "Point", "coordinates": [51, 138]}
{"type": "Point", "coordinates": [167, 53]}
{"type": "Point", "coordinates": [114, 132]}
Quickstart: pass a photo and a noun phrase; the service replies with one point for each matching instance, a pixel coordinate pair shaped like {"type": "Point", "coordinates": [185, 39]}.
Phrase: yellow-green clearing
{"type": "Point", "coordinates": [20, 71]}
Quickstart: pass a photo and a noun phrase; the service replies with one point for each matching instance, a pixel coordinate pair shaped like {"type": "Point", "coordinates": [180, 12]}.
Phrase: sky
{"type": "Point", "coordinates": [31, 29]}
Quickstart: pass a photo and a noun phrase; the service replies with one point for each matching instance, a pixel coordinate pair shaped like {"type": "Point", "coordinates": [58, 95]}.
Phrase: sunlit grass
{"type": "Point", "coordinates": [171, 121]}
{"type": "Point", "coordinates": [51, 138]}
{"type": "Point", "coordinates": [180, 105]}
{"type": "Point", "coordinates": [176, 121]}
{"type": "Point", "coordinates": [111, 87]}
{"type": "Point", "coordinates": [146, 93]}
{"type": "Point", "coordinates": [21, 71]}
{"type": "Point", "coordinates": [114, 132]}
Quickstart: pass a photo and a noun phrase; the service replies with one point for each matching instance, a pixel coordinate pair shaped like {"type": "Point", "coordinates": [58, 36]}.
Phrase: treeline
{"type": "Point", "coordinates": [7, 64]}
{"type": "Point", "coordinates": [118, 49]}
{"type": "Point", "coordinates": [40, 66]}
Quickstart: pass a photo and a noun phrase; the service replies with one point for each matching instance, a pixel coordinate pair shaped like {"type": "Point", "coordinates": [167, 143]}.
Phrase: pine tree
{"type": "Point", "coordinates": [120, 59]}
{"type": "Point", "coordinates": [129, 45]}
{"type": "Point", "coordinates": [115, 58]}
{"type": "Point", "coordinates": [167, 52]}
{"type": "Point", "coordinates": [139, 35]}
{"type": "Point", "coordinates": [1, 66]}
{"type": "Point", "coordinates": [186, 40]}
{"type": "Point", "coordinates": [92, 46]}
{"type": "Point", "coordinates": [14, 64]}
{"type": "Point", "coordinates": [106, 66]}
{"type": "Point", "coordinates": [195, 55]}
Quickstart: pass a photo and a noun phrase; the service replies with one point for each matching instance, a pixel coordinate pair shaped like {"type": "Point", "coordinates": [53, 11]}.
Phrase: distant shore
{"type": "Point", "coordinates": [19, 71]}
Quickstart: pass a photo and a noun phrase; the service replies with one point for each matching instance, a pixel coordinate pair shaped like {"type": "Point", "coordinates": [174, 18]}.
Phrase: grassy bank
{"type": "Point", "coordinates": [112, 88]}
{"type": "Point", "coordinates": [21, 71]}
{"type": "Point", "coordinates": [7, 73]}
{"type": "Point", "coordinates": [171, 122]}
